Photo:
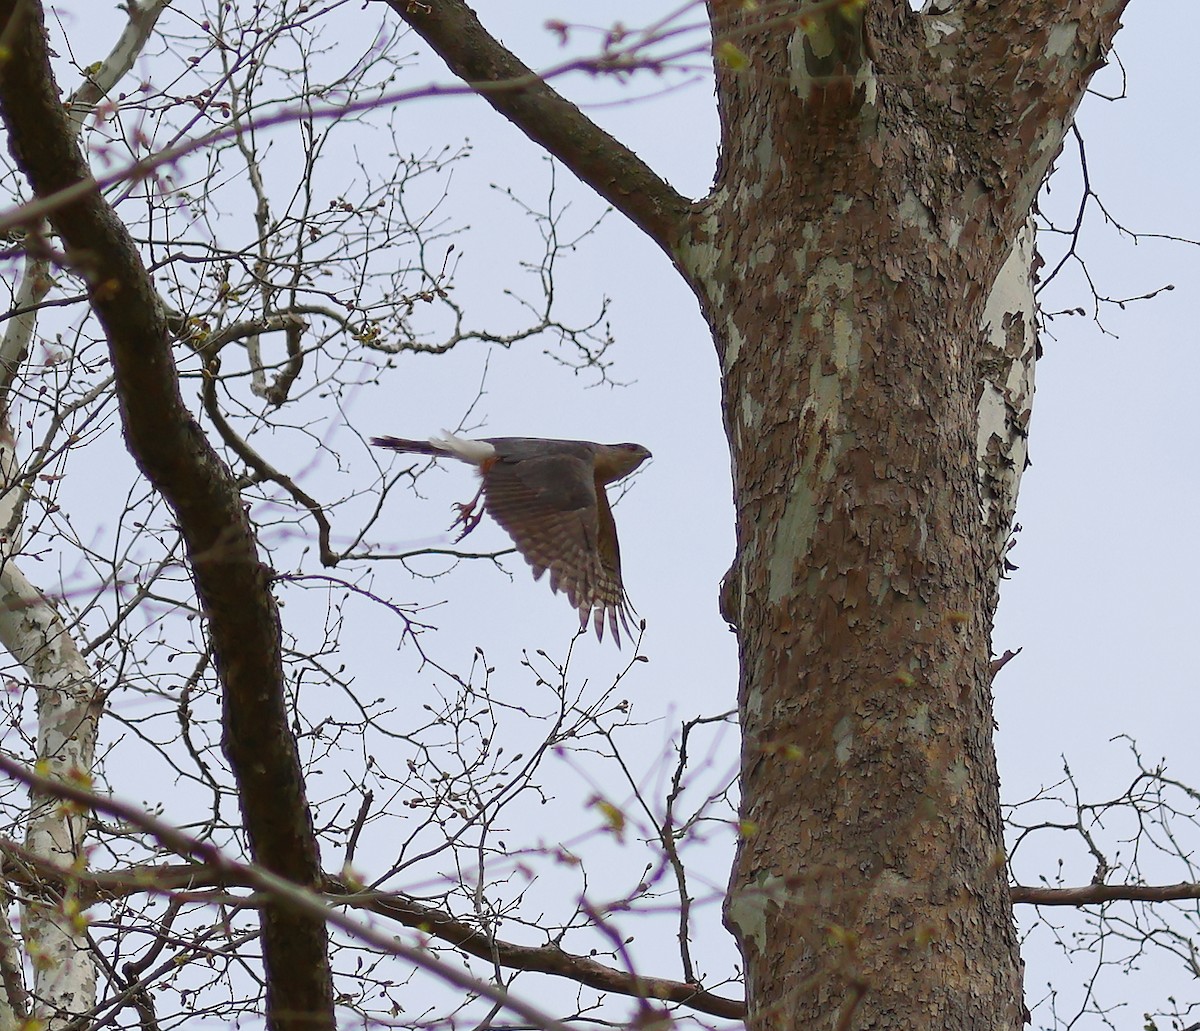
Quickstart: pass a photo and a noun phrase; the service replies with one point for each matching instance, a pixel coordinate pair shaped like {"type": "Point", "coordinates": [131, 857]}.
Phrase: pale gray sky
{"type": "Point", "coordinates": [1104, 604]}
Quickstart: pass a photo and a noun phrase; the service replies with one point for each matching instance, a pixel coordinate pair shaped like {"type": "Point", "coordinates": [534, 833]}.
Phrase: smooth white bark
{"type": "Point", "coordinates": [68, 707]}
{"type": "Point", "coordinates": [1009, 329]}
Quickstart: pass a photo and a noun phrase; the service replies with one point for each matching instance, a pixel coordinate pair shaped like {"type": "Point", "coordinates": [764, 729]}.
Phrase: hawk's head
{"type": "Point", "coordinates": [614, 461]}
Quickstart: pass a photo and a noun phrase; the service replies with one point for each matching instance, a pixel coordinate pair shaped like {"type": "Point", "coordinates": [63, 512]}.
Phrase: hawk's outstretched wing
{"type": "Point", "coordinates": [549, 495]}
{"type": "Point", "coordinates": [559, 519]}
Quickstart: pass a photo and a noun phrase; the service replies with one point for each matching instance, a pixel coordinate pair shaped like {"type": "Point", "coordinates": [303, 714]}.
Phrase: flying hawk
{"type": "Point", "coordinates": [549, 495]}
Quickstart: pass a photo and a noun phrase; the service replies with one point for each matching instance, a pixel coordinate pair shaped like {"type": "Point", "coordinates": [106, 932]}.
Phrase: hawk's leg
{"type": "Point", "coordinates": [467, 516]}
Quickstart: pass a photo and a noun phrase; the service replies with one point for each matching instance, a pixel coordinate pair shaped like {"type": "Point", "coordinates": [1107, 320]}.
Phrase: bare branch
{"type": "Point", "coordinates": [545, 959]}
{"type": "Point", "coordinates": [1095, 894]}
{"type": "Point", "coordinates": [286, 893]}
{"type": "Point", "coordinates": [262, 467]}
{"type": "Point", "coordinates": [436, 923]}
{"type": "Point", "coordinates": [603, 162]}
{"type": "Point", "coordinates": [102, 79]}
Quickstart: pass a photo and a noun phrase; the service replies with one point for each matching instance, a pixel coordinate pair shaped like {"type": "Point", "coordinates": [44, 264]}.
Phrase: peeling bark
{"type": "Point", "coordinates": [68, 709]}
{"type": "Point", "coordinates": [14, 1009]}
{"type": "Point", "coordinates": [233, 585]}
{"type": "Point", "coordinates": [1008, 351]}
{"type": "Point", "coordinates": [68, 705]}
{"type": "Point", "coordinates": [878, 438]}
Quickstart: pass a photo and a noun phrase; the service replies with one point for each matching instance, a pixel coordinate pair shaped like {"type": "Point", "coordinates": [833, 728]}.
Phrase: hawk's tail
{"type": "Point", "coordinates": [416, 447]}
{"type": "Point", "coordinates": [474, 451]}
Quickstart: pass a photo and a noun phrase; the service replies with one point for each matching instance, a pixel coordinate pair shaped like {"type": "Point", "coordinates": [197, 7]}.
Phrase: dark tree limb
{"type": "Point", "coordinates": [233, 585]}
{"type": "Point", "coordinates": [1095, 894]}
{"type": "Point", "coordinates": [89, 888]}
{"type": "Point", "coordinates": [35, 873]}
{"type": "Point", "coordinates": [544, 959]}
{"type": "Point", "coordinates": [275, 892]}
{"type": "Point", "coordinates": [605, 164]}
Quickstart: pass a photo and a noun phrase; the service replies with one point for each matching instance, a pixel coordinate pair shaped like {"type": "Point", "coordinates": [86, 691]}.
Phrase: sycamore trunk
{"type": "Point", "coordinates": [868, 193]}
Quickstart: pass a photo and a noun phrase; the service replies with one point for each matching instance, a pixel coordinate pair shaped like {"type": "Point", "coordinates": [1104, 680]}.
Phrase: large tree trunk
{"type": "Point", "coordinates": [872, 183]}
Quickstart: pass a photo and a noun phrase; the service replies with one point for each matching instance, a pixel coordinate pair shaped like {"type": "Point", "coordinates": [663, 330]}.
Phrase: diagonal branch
{"type": "Point", "coordinates": [232, 583]}
{"type": "Point", "coordinates": [35, 873]}
{"type": "Point", "coordinates": [142, 16]}
{"type": "Point", "coordinates": [282, 893]}
{"type": "Point", "coordinates": [544, 959]}
{"type": "Point", "coordinates": [520, 95]}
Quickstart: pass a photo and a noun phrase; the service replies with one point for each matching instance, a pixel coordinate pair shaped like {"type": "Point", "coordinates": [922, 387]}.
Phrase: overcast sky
{"type": "Point", "coordinates": [1104, 604]}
